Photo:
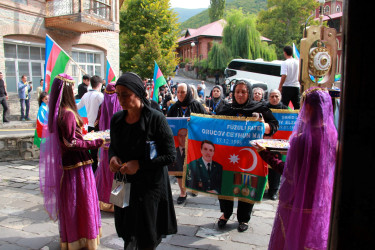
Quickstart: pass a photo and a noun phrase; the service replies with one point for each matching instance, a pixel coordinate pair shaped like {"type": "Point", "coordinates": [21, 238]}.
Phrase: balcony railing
{"type": "Point", "coordinates": [87, 12]}
{"type": "Point", "coordinates": [100, 8]}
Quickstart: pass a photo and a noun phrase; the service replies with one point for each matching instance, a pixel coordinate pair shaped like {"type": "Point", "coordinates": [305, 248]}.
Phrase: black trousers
{"type": "Point", "coordinates": [291, 94]}
{"type": "Point", "coordinates": [273, 181]}
{"type": "Point", "coordinates": [3, 102]}
{"type": "Point", "coordinates": [244, 210]}
{"type": "Point", "coordinates": [93, 153]}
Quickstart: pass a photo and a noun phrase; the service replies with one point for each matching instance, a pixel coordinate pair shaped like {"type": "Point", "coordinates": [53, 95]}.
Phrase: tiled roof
{"type": "Point", "coordinates": [211, 29]}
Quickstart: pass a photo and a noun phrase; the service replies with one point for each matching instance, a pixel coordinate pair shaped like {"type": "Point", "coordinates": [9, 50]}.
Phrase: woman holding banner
{"type": "Point", "coordinates": [303, 214]}
{"type": "Point", "coordinates": [185, 105]}
{"type": "Point", "coordinates": [242, 105]}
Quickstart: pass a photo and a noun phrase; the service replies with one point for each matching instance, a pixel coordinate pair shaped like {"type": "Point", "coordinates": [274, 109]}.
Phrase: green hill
{"type": "Point", "coordinates": [248, 6]}
{"type": "Point", "coordinates": [185, 14]}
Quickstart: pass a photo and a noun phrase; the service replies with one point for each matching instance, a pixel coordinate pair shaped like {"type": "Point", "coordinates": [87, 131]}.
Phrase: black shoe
{"type": "Point", "coordinates": [27, 119]}
{"type": "Point", "coordinates": [273, 197]}
{"type": "Point", "coordinates": [181, 200]}
{"type": "Point", "coordinates": [242, 227]}
{"type": "Point", "coordinates": [222, 223]}
{"type": "Point", "coordinates": [5, 120]}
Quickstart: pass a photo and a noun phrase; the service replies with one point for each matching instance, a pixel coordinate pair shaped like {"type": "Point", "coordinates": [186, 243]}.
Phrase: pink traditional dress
{"type": "Point", "coordinates": [66, 178]}
{"type": "Point", "coordinates": [103, 175]}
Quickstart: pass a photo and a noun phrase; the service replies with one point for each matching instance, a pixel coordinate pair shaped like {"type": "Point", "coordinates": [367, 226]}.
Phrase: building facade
{"type": "Point", "coordinates": [87, 30]}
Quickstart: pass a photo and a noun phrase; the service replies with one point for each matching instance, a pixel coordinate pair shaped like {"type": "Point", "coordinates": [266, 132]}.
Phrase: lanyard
{"type": "Point", "coordinates": [183, 111]}
{"type": "Point", "coordinates": [215, 105]}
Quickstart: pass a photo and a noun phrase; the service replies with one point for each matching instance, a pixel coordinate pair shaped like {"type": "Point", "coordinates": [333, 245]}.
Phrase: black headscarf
{"type": "Point", "coordinates": [215, 100]}
{"type": "Point", "coordinates": [188, 98]}
{"type": "Point", "coordinates": [133, 82]}
{"type": "Point", "coordinates": [249, 104]}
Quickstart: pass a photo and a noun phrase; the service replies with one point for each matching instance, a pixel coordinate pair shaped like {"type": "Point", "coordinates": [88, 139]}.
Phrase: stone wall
{"type": "Point", "coordinates": [18, 147]}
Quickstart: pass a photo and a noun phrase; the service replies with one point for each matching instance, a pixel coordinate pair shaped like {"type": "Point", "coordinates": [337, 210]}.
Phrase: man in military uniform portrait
{"type": "Point", "coordinates": [180, 150]}
{"type": "Point", "coordinates": [204, 174]}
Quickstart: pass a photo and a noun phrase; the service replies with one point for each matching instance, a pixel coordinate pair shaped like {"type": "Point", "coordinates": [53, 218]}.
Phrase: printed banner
{"type": "Point", "coordinates": [83, 113]}
{"type": "Point", "coordinates": [221, 160]}
{"type": "Point", "coordinates": [287, 119]}
{"type": "Point", "coordinates": [179, 129]}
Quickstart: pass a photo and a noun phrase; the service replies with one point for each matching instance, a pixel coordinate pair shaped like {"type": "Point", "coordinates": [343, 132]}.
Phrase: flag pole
{"type": "Point", "coordinates": [67, 55]}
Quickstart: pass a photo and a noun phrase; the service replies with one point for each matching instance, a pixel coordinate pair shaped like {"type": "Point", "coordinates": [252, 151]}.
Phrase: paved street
{"type": "Point", "coordinates": [24, 224]}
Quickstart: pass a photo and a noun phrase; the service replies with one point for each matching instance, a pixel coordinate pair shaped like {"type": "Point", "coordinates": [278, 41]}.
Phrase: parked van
{"type": "Point", "coordinates": [256, 70]}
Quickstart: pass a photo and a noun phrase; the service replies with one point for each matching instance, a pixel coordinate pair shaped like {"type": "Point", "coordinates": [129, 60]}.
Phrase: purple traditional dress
{"type": "Point", "coordinates": [103, 175]}
{"type": "Point", "coordinates": [303, 214]}
{"type": "Point", "coordinates": [66, 178]}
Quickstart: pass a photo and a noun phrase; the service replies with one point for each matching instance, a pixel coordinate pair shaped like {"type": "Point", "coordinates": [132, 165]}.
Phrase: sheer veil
{"type": "Point", "coordinates": [303, 214]}
{"type": "Point", "coordinates": [50, 166]}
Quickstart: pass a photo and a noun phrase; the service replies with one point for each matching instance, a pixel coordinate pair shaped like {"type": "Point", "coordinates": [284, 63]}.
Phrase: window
{"type": "Point", "coordinates": [89, 63]}
{"type": "Point", "coordinates": [338, 8]}
{"type": "Point", "coordinates": [22, 59]}
{"type": "Point", "coordinates": [327, 10]}
{"type": "Point", "coordinates": [20, 1]}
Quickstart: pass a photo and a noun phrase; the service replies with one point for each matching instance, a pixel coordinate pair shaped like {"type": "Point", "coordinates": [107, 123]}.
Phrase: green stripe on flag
{"type": "Point", "coordinates": [59, 67]}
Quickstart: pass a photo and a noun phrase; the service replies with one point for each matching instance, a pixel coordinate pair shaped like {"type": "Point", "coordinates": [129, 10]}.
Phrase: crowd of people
{"type": "Point", "coordinates": [76, 175]}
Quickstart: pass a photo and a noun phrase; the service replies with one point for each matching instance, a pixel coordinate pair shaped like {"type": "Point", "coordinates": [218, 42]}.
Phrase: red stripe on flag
{"type": "Point", "coordinates": [159, 74]}
{"type": "Point", "coordinates": [290, 105]}
{"type": "Point", "coordinates": [237, 159]}
{"type": "Point", "coordinates": [52, 57]}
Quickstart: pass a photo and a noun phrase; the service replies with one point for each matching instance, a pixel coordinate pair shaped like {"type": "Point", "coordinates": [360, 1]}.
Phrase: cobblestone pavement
{"type": "Point", "coordinates": [24, 224]}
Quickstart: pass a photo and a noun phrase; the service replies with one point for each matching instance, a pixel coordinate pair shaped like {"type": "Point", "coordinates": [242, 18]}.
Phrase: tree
{"type": "Point", "coordinates": [283, 21]}
{"type": "Point", "coordinates": [148, 32]}
{"type": "Point", "coordinates": [241, 39]}
{"type": "Point", "coordinates": [216, 10]}
{"type": "Point", "coordinates": [241, 36]}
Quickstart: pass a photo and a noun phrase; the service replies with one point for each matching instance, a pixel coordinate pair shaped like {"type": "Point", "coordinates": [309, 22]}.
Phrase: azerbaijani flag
{"type": "Point", "coordinates": [295, 52]}
{"type": "Point", "coordinates": [159, 81]}
{"type": "Point", "coordinates": [109, 74]}
{"type": "Point", "coordinates": [56, 61]}
{"type": "Point", "coordinates": [41, 121]}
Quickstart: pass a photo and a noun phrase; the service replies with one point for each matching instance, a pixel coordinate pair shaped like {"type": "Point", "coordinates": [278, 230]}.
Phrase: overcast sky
{"type": "Point", "coordinates": [190, 4]}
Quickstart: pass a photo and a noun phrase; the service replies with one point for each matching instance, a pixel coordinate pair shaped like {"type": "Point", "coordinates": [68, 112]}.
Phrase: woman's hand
{"type": "Point", "coordinates": [258, 147]}
{"type": "Point", "coordinates": [130, 168]}
{"type": "Point", "coordinates": [115, 164]}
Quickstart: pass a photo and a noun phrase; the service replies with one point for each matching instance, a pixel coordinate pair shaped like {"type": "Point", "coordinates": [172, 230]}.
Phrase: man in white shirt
{"type": "Point", "coordinates": [289, 84]}
{"type": "Point", "coordinates": [92, 101]}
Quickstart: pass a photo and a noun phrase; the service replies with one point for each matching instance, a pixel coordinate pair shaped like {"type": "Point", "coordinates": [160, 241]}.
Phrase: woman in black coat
{"type": "Point", "coordinates": [150, 214]}
{"type": "Point", "coordinates": [185, 105]}
{"type": "Point", "coordinates": [217, 102]}
{"type": "Point", "coordinates": [243, 106]}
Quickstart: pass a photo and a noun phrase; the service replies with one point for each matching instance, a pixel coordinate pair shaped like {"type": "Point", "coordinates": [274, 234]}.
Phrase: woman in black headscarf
{"type": "Point", "coordinates": [242, 105]}
{"type": "Point", "coordinates": [217, 102]}
{"type": "Point", "coordinates": [185, 105]}
{"type": "Point", "coordinates": [150, 214]}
